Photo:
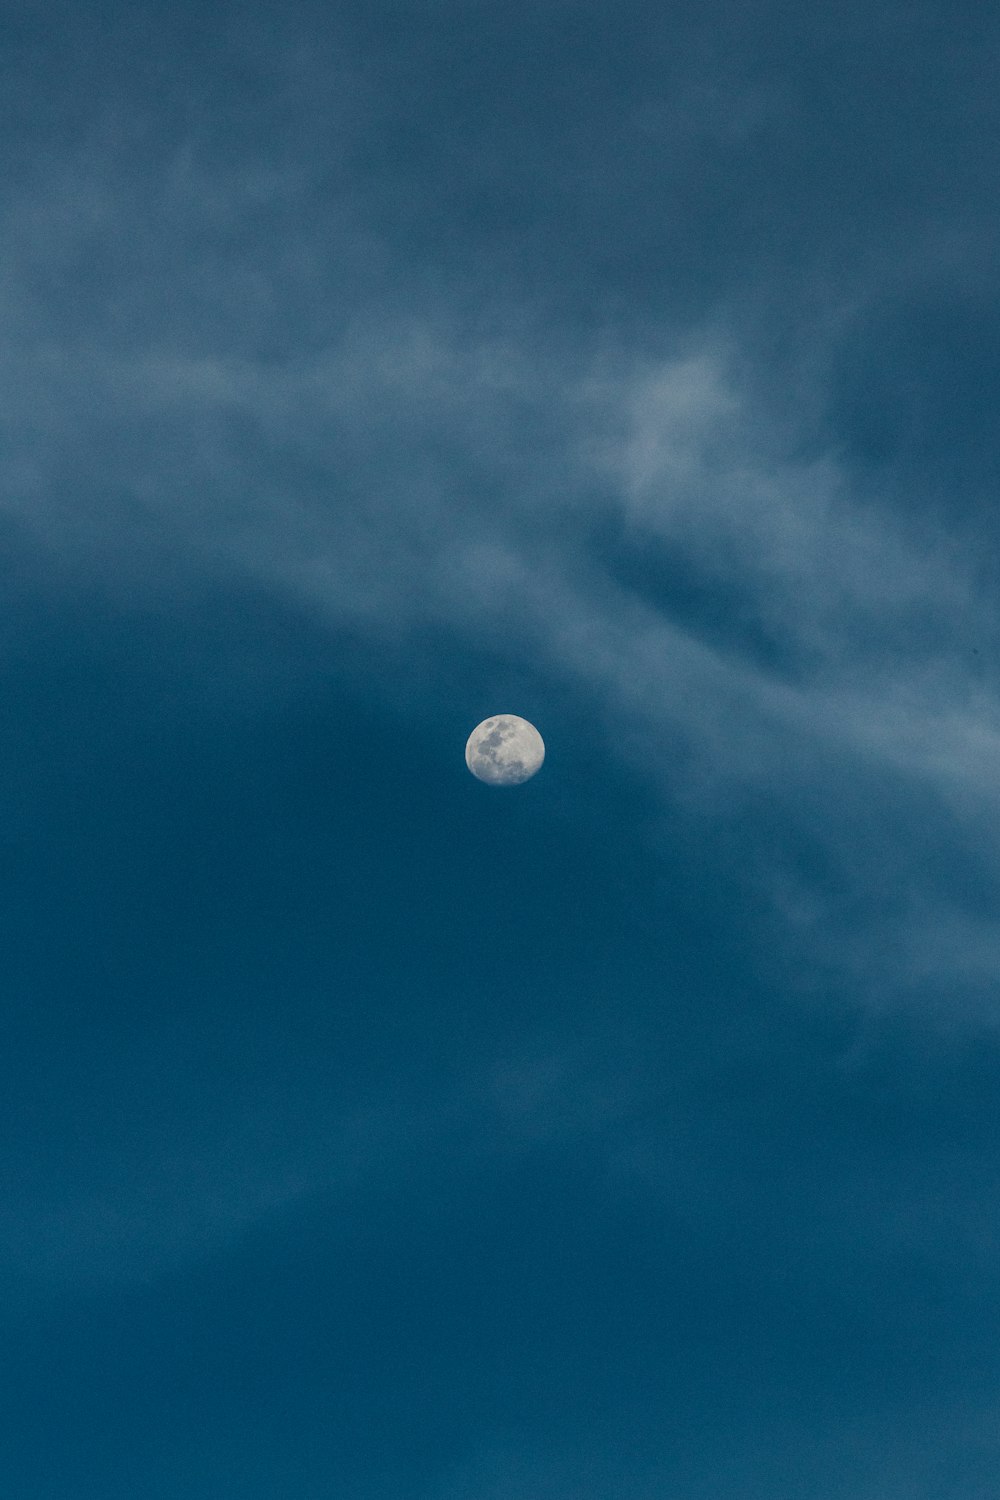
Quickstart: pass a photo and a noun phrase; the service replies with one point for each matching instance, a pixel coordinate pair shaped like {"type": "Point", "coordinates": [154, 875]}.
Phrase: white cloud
{"type": "Point", "coordinates": [429, 467]}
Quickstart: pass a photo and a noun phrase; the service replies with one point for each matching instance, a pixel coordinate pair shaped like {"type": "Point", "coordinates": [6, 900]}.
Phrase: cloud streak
{"type": "Point", "coordinates": [483, 473]}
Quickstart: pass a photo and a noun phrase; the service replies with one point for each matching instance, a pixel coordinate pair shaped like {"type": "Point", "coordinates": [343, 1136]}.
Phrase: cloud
{"type": "Point", "coordinates": [134, 1215]}
{"type": "Point", "coordinates": [756, 615]}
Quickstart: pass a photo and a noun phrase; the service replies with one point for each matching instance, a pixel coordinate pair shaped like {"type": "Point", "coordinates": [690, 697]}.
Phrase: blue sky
{"type": "Point", "coordinates": [369, 1133]}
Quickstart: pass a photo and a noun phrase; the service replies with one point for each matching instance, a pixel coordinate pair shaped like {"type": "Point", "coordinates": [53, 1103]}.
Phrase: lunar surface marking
{"type": "Point", "coordinates": [504, 750]}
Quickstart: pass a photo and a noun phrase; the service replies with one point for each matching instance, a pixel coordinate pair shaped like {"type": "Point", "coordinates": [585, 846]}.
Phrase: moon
{"type": "Point", "coordinates": [504, 750]}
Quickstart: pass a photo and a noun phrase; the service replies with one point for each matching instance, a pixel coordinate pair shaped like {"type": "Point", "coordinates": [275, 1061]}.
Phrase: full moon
{"type": "Point", "coordinates": [504, 750]}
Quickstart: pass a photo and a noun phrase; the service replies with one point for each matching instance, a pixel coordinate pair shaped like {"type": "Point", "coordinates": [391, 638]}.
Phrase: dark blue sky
{"type": "Point", "coordinates": [370, 1134]}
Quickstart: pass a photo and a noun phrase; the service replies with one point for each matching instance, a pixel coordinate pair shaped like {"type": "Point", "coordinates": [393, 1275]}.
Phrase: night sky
{"type": "Point", "coordinates": [371, 367]}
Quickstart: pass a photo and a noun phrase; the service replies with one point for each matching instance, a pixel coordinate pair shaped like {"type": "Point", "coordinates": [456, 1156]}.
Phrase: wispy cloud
{"type": "Point", "coordinates": [714, 574]}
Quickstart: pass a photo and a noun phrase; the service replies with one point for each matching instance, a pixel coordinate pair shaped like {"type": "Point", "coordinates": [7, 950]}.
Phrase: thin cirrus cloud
{"type": "Point", "coordinates": [469, 471]}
